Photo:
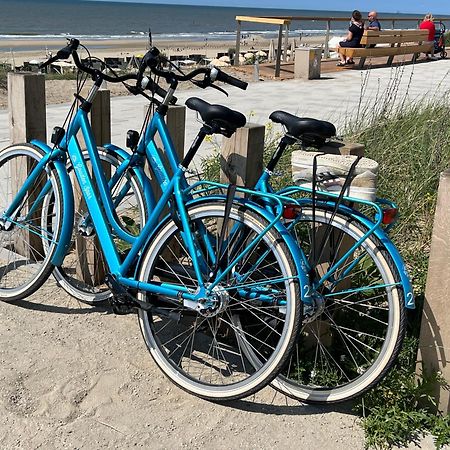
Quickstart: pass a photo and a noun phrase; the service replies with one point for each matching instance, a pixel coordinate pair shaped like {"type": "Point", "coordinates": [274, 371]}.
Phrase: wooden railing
{"type": "Point", "coordinates": [284, 22]}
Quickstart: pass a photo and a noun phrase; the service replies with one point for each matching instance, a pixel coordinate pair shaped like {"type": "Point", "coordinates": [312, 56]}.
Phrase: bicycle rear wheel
{"type": "Point", "coordinates": [209, 353]}
{"type": "Point", "coordinates": [83, 271]}
{"type": "Point", "coordinates": [28, 235]}
{"type": "Point", "coordinates": [358, 333]}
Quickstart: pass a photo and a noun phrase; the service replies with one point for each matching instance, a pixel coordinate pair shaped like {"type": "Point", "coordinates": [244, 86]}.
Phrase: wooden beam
{"type": "Point", "coordinates": [286, 42]}
{"type": "Point", "coordinates": [278, 61]}
{"type": "Point", "coordinates": [27, 121]}
{"type": "Point", "coordinates": [326, 52]}
{"type": "Point", "coordinates": [268, 20]}
{"type": "Point", "coordinates": [238, 44]}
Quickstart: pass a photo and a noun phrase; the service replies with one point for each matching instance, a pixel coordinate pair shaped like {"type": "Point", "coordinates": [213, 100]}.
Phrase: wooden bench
{"type": "Point", "coordinates": [389, 43]}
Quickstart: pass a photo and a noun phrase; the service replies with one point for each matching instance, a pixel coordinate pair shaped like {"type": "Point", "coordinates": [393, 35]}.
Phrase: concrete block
{"type": "Point", "coordinates": [307, 63]}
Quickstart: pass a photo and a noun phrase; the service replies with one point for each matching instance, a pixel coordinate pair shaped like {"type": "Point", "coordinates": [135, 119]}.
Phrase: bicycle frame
{"type": "Point", "coordinates": [102, 215]}
{"type": "Point", "coordinates": [373, 227]}
{"type": "Point", "coordinates": [148, 148]}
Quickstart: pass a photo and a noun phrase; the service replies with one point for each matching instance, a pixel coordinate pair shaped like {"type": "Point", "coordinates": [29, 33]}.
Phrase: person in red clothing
{"type": "Point", "coordinates": [428, 24]}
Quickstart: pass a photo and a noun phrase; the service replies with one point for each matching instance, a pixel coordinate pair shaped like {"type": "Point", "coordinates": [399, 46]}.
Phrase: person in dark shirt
{"type": "Point", "coordinates": [353, 38]}
{"type": "Point", "coordinates": [373, 24]}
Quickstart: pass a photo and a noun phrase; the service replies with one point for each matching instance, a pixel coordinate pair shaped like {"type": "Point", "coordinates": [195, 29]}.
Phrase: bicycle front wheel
{"type": "Point", "coordinates": [83, 271]}
{"type": "Point", "coordinates": [211, 353]}
{"type": "Point", "coordinates": [358, 329]}
{"type": "Point", "coordinates": [29, 234]}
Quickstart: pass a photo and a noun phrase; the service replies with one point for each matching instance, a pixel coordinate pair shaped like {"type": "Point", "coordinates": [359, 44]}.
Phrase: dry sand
{"type": "Point", "coordinates": [61, 91]}
{"type": "Point", "coordinates": [74, 376]}
{"type": "Point", "coordinates": [128, 47]}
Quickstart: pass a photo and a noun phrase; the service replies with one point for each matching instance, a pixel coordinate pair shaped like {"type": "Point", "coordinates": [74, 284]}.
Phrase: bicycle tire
{"type": "Point", "coordinates": [28, 262]}
{"type": "Point", "coordinates": [188, 370]}
{"type": "Point", "coordinates": [80, 275]}
{"type": "Point", "coordinates": [350, 330]}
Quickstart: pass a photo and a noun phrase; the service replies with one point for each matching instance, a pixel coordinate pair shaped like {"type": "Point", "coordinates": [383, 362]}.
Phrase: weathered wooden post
{"type": "Point", "coordinates": [238, 43]}
{"type": "Point", "coordinates": [434, 343]}
{"type": "Point", "coordinates": [26, 100]}
{"type": "Point", "coordinates": [27, 120]}
{"type": "Point", "coordinates": [278, 55]}
{"type": "Point", "coordinates": [176, 123]}
{"type": "Point", "coordinates": [90, 266]}
{"type": "Point", "coordinates": [326, 50]}
{"type": "Point", "coordinates": [286, 42]}
{"type": "Point", "coordinates": [241, 160]}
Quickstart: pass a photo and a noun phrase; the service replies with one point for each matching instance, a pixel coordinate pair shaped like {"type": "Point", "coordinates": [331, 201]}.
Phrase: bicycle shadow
{"type": "Point", "coordinates": [280, 405]}
{"type": "Point", "coordinates": [56, 309]}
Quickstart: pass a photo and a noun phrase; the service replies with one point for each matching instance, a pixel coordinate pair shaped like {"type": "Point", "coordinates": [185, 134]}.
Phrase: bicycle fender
{"type": "Point", "coordinates": [114, 149]}
{"type": "Point", "coordinates": [394, 253]}
{"type": "Point", "coordinates": [294, 249]}
{"type": "Point", "coordinates": [68, 206]}
{"type": "Point", "coordinates": [138, 171]}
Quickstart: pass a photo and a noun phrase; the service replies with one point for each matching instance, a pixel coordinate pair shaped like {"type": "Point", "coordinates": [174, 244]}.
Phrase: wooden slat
{"type": "Point", "coordinates": [395, 32]}
{"type": "Point", "coordinates": [367, 40]}
{"type": "Point", "coordinates": [386, 51]}
{"type": "Point", "coordinates": [274, 21]}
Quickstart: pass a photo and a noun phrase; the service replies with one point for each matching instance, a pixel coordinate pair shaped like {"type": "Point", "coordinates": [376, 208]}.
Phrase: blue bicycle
{"type": "Point", "coordinates": [354, 327]}
{"type": "Point", "coordinates": [214, 281]}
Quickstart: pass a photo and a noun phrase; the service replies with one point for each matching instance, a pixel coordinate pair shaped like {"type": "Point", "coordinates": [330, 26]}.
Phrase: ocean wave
{"type": "Point", "coordinates": [139, 35]}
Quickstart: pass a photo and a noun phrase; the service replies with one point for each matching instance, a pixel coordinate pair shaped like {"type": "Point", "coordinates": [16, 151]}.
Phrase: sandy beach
{"type": "Point", "coordinates": [36, 49]}
{"type": "Point", "coordinates": [61, 91]}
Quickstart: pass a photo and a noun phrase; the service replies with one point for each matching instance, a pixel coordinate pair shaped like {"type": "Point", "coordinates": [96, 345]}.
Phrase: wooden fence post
{"type": "Point", "coordinates": [26, 100]}
{"type": "Point", "coordinates": [27, 120]}
{"type": "Point", "coordinates": [326, 51]}
{"type": "Point", "coordinates": [176, 123]}
{"type": "Point", "coordinates": [278, 56]}
{"type": "Point", "coordinates": [238, 44]}
{"type": "Point", "coordinates": [241, 160]}
{"type": "Point", "coordinates": [434, 343]}
{"type": "Point", "coordinates": [91, 266]}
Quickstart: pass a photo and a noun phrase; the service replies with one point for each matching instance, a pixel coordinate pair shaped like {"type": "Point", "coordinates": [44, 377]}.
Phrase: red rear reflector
{"type": "Point", "coordinates": [389, 215]}
{"type": "Point", "coordinates": [290, 212]}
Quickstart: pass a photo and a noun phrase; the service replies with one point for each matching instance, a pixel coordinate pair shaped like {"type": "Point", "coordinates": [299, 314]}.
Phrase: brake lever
{"type": "Point", "coordinates": [219, 89]}
{"type": "Point", "coordinates": [135, 90]}
{"type": "Point", "coordinates": [206, 83]}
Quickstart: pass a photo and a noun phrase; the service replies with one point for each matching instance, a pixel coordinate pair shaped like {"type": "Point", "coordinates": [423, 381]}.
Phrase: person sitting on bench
{"type": "Point", "coordinates": [353, 38]}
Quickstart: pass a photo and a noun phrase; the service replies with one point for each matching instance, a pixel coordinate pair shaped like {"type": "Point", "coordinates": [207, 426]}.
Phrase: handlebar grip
{"type": "Point", "coordinates": [48, 62]}
{"type": "Point", "coordinates": [150, 59]}
{"type": "Point", "coordinates": [222, 76]}
{"type": "Point", "coordinates": [155, 88]}
{"type": "Point", "coordinates": [64, 53]}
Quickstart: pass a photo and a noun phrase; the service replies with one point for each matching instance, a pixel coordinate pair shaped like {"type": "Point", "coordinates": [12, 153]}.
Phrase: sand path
{"type": "Point", "coordinates": [73, 376]}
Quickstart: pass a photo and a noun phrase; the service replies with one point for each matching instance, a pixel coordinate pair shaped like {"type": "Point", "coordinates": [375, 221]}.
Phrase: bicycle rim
{"type": "Point", "coordinates": [30, 234]}
{"type": "Point", "coordinates": [207, 356]}
{"type": "Point", "coordinates": [83, 270]}
{"type": "Point", "coordinates": [351, 345]}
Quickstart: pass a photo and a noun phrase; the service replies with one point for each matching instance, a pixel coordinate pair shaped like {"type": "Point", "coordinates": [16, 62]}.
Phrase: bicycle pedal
{"type": "Point", "coordinates": [122, 306]}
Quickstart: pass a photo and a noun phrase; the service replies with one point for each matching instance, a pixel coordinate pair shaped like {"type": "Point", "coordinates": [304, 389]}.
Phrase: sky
{"type": "Point", "coordinates": [398, 6]}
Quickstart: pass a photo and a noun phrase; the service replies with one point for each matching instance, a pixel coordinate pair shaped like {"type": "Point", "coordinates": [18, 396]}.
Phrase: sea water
{"type": "Point", "coordinates": [50, 19]}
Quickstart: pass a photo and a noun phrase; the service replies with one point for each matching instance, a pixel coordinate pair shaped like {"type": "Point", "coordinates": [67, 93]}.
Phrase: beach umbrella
{"type": "Point", "coordinates": [271, 51]}
{"type": "Point", "coordinates": [225, 58]}
{"type": "Point", "coordinates": [219, 63]}
{"type": "Point", "coordinates": [187, 62]}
